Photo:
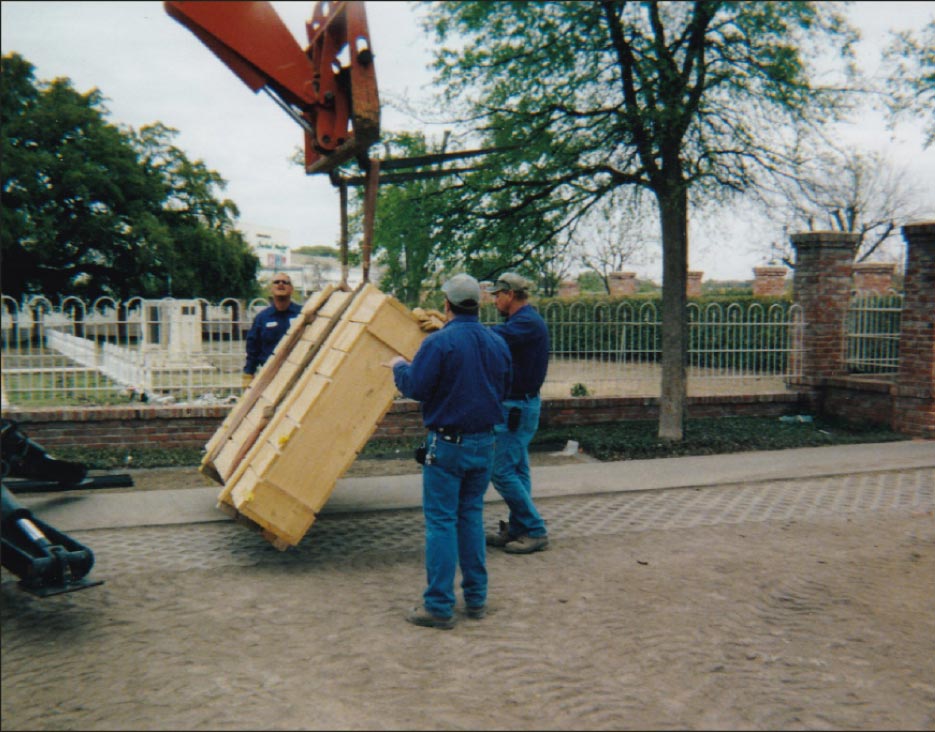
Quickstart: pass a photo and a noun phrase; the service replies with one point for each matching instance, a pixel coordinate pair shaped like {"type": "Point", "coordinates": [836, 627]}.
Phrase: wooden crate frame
{"type": "Point", "coordinates": [310, 411]}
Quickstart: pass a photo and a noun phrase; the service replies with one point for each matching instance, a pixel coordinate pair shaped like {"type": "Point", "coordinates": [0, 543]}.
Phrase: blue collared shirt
{"type": "Point", "coordinates": [460, 373]}
{"type": "Point", "coordinates": [527, 335]}
{"type": "Point", "coordinates": [269, 326]}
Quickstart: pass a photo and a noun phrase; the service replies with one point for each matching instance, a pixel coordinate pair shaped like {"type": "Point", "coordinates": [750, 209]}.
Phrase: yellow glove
{"type": "Point", "coordinates": [246, 380]}
{"type": "Point", "coordinates": [429, 320]}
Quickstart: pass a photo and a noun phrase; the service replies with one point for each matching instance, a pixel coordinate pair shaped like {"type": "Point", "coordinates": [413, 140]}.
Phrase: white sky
{"type": "Point", "coordinates": [152, 69]}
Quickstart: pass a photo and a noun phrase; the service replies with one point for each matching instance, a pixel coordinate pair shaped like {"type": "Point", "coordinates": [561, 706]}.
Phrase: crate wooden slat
{"type": "Point", "coordinates": [273, 382]}
{"type": "Point", "coordinates": [280, 459]}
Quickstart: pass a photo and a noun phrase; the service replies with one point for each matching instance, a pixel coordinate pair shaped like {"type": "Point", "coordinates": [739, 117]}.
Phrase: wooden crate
{"type": "Point", "coordinates": [308, 414]}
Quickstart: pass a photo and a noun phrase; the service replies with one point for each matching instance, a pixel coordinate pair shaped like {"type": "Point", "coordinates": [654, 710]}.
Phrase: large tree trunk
{"type": "Point", "coordinates": [674, 217]}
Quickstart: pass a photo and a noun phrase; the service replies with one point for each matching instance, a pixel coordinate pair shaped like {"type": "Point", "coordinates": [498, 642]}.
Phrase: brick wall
{"type": "Point", "coordinates": [569, 288]}
{"type": "Point", "coordinates": [622, 283]}
{"type": "Point", "coordinates": [874, 276]}
{"type": "Point", "coordinates": [914, 390]}
{"type": "Point", "coordinates": [822, 285]}
{"type": "Point", "coordinates": [693, 284]}
{"type": "Point", "coordinates": [769, 281]}
{"type": "Point", "coordinates": [168, 426]}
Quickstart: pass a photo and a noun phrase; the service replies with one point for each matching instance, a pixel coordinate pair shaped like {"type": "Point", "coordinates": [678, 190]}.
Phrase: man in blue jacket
{"type": "Point", "coordinates": [460, 374]}
{"type": "Point", "coordinates": [269, 326]}
{"type": "Point", "coordinates": [528, 338]}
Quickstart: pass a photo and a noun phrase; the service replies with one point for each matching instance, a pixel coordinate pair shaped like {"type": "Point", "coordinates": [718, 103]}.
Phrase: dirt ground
{"type": "Point", "coordinates": [823, 623]}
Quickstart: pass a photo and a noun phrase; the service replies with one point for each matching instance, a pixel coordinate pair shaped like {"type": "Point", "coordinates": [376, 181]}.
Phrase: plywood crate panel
{"type": "Point", "coordinates": [253, 392]}
{"type": "Point", "coordinates": [288, 471]}
{"type": "Point", "coordinates": [273, 383]}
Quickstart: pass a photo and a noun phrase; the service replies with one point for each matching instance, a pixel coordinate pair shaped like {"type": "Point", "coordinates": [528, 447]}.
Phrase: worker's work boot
{"type": "Point", "coordinates": [420, 616]}
{"type": "Point", "coordinates": [501, 538]}
{"type": "Point", "coordinates": [526, 544]}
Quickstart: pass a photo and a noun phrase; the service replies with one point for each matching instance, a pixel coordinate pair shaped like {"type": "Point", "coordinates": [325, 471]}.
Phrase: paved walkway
{"type": "Point", "coordinates": [185, 529]}
{"type": "Point", "coordinates": [767, 590]}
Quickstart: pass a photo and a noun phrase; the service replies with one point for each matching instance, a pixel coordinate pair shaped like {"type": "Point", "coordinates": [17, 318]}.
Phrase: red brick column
{"type": "Point", "coordinates": [568, 288]}
{"type": "Point", "coordinates": [622, 283]}
{"type": "Point", "coordinates": [821, 285]}
{"type": "Point", "coordinates": [874, 276]}
{"type": "Point", "coordinates": [769, 281]}
{"type": "Point", "coordinates": [914, 391]}
{"type": "Point", "coordinates": [693, 286]}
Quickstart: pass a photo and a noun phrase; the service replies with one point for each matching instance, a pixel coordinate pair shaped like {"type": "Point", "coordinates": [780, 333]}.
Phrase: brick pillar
{"type": "Point", "coordinates": [822, 287]}
{"type": "Point", "coordinates": [569, 288]}
{"type": "Point", "coordinates": [914, 391]}
{"type": "Point", "coordinates": [874, 276]}
{"type": "Point", "coordinates": [622, 283]}
{"type": "Point", "coordinates": [693, 287]}
{"type": "Point", "coordinates": [769, 281]}
{"type": "Point", "coordinates": [486, 298]}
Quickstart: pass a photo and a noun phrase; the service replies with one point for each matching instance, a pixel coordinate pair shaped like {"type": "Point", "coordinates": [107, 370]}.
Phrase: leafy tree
{"type": "Point", "coordinates": [910, 84]}
{"type": "Point", "coordinates": [92, 209]}
{"type": "Point", "coordinates": [318, 250]}
{"type": "Point", "coordinates": [406, 225]}
{"type": "Point", "coordinates": [679, 98]}
{"type": "Point", "coordinates": [207, 256]}
{"type": "Point", "coordinates": [591, 281]}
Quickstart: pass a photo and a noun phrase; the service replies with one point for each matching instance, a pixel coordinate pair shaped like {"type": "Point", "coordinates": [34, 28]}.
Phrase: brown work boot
{"type": "Point", "coordinates": [526, 544]}
{"type": "Point", "coordinates": [420, 616]}
{"type": "Point", "coordinates": [501, 538]}
{"type": "Point", "coordinates": [476, 612]}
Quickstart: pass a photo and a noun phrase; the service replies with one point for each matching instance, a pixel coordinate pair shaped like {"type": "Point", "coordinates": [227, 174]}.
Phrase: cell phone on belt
{"type": "Point", "coordinates": [512, 418]}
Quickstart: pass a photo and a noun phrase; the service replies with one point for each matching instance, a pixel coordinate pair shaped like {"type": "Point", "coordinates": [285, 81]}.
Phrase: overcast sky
{"type": "Point", "coordinates": [151, 69]}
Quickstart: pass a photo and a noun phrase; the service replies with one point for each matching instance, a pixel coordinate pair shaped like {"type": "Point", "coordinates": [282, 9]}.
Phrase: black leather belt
{"type": "Point", "coordinates": [523, 397]}
{"type": "Point", "coordinates": [453, 434]}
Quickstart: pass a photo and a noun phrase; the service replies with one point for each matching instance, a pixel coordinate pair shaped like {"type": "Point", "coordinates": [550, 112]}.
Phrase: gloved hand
{"type": "Point", "coordinates": [246, 380]}
{"type": "Point", "coordinates": [429, 320]}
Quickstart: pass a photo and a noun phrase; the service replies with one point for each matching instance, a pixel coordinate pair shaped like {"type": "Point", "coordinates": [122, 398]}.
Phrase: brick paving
{"type": "Point", "coordinates": [228, 544]}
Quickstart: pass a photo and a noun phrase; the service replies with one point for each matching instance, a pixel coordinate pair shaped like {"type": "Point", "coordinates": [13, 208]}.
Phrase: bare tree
{"type": "Point", "coordinates": [557, 267]}
{"type": "Point", "coordinates": [847, 190]}
{"type": "Point", "coordinates": [619, 233]}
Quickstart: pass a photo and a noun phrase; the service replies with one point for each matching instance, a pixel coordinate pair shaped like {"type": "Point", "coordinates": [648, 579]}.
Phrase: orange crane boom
{"type": "Point", "coordinates": [329, 88]}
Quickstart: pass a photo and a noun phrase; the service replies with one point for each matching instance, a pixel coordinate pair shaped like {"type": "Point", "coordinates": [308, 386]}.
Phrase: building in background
{"type": "Point", "coordinates": [309, 273]}
{"type": "Point", "coordinates": [271, 245]}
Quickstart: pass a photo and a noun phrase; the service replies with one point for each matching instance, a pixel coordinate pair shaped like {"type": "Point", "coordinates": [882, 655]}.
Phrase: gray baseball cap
{"type": "Point", "coordinates": [462, 290]}
{"type": "Point", "coordinates": [511, 282]}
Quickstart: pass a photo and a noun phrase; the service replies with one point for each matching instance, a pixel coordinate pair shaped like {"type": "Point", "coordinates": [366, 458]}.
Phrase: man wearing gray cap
{"type": "Point", "coordinates": [528, 338]}
{"type": "Point", "coordinates": [460, 374]}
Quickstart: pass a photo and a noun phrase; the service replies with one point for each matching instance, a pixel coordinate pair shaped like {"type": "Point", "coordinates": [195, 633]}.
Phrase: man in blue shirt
{"type": "Point", "coordinates": [460, 374]}
{"type": "Point", "coordinates": [269, 326]}
{"type": "Point", "coordinates": [528, 338]}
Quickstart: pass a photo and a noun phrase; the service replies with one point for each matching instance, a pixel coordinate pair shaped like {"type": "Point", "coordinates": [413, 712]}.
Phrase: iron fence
{"type": "Point", "coordinates": [872, 333]}
{"type": "Point", "coordinates": [192, 351]}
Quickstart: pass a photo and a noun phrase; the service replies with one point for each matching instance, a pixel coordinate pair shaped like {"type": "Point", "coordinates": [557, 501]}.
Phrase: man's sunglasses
{"type": "Point", "coordinates": [281, 282]}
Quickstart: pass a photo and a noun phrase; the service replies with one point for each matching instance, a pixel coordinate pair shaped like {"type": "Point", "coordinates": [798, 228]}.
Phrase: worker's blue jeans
{"type": "Point", "coordinates": [454, 479]}
{"type": "Point", "coordinates": [511, 475]}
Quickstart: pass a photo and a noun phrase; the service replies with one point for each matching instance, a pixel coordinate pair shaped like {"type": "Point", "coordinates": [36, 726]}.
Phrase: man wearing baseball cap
{"type": "Point", "coordinates": [460, 374]}
{"type": "Point", "coordinates": [528, 338]}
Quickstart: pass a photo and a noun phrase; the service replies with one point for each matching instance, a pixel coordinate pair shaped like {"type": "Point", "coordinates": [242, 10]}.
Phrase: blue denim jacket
{"type": "Point", "coordinates": [527, 335]}
{"type": "Point", "coordinates": [460, 373]}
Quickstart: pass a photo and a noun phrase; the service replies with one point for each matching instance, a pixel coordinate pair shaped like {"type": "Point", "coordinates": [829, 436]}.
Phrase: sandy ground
{"type": "Point", "coordinates": [823, 623]}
